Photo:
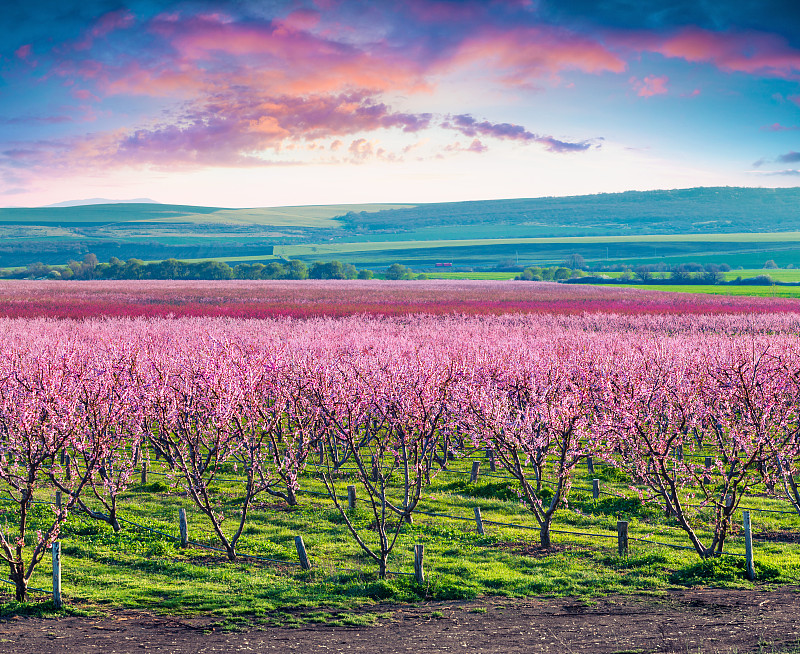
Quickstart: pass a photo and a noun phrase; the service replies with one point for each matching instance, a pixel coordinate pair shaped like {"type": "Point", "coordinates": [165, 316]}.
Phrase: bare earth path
{"type": "Point", "coordinates": [696, 620]}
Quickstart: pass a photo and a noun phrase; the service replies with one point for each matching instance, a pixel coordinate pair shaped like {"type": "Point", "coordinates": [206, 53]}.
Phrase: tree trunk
{"type": "Point", "coordinates": [382, 565]}
{"type": "Point", "coordinates": [20, 583]}
{"type": "Point", "coordinates": [544, 535]}
{"type": "Point", "coordinates": [291, 497]}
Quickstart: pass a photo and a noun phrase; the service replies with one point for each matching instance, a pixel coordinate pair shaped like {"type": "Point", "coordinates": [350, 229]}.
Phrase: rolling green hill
{"type": "Point", "coordinates": [739, 226]}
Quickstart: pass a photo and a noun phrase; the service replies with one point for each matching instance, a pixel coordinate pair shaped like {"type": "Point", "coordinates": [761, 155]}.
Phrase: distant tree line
{"type": "Point", "coordinates": [573, 269]}
{"type": "Point", "coordinates": [91, 268]}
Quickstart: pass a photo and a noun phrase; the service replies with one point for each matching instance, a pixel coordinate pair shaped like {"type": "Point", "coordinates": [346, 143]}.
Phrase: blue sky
{"type": "Point", "coordinates": [252, 103]}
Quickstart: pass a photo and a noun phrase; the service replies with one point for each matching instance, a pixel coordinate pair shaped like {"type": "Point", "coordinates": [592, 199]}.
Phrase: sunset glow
{"type": "Point", "coordinates": [334, 101]}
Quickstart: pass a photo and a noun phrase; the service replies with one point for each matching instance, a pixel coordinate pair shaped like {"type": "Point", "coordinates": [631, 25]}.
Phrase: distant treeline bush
{"type": "Point", "coordinates": [684, 273]}
{"type": "Point", "coordinates": [90, 268]}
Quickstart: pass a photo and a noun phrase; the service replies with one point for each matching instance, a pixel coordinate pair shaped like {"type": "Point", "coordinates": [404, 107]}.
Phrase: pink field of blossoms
{"type": "Point", "coordinates": [311, 298]}
{"type": "Point", "coordinates": [701, 406]}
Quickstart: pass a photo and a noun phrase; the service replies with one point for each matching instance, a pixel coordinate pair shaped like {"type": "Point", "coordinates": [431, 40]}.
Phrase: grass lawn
{"type": "Point", "coordinates": [755, 291]}
{"type": "Point", "coordinates": [143, 569]}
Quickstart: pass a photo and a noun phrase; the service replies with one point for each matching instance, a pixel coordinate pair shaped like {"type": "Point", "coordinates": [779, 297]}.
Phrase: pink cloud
{"type": "Point", "coordinates": [23, 52]}
{"type": "Point", "coordinates": [434, 11]}
{"type": "Point", "coordinates": [650, 86]}
{"type": "Point", "coordinates": [106, 24]}
{"type": "Point", "coordinates": [777, 127]}
{"type": "Point", "coordinates": [83, 94]}
{"type": "Point", "coordinates": [231, 131]}
{"type": "Point", "coordinates": [745, 52]}
{"type": "Point", "coordinates": [302, 19]}
{"type": "Point", "coordinates": [283, 58]}
{"type": "Point", "coordinates": [476, 146]}
{"type": "Point", "coordinates": [795, 99]}
{"type": "Point", "coordinates": [524, 54]}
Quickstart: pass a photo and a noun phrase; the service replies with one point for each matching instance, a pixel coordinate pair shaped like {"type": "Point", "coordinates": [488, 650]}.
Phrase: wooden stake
{"type": "Point", "coordinates": [707, 473]}
{"type": "Point", "coordinates": [301, 553]}
{"type": "Point", "coordinates": [184, 528]}
{"type": "Point", "coordinates": [590, 464]}
{"type": "Point", "coordinates": [479, 520]}
{"type": "Point", "coordinates": [473, 476]}
{"type": "Point", "coordinates": [419, 570]}
{"type": "Point", "coordinates": [492, 464]}
{"type": "Point", "coordinates": [748, 546]}
{"type": "Point", "coordinates": [596, 489]}
{"type": "Point", "coordinates": [351, 497]}
{"type": "Point", "coordinates": [374, 470]}
{"type": "Point", "coordinates": [58, 499]}
{"type": "Point", "coordinates": [622, 537]}
{"type": "Point", "coordinates": [57, 602]}
{"type": "Point", "coordinates": [144, 471]}
{"type": "Point", "coordinates": [61, 456]}
{"type": "Point", "coordinates": [69, 470]}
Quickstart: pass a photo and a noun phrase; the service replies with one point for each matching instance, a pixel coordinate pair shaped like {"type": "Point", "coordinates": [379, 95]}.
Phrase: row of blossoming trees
{"type": "Point", "coordinates": [391, 402]}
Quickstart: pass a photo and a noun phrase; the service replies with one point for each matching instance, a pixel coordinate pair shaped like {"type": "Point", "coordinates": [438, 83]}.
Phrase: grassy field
{"type": "Point", "coordinates": [764, 237]}
{"type": "Point", "coordinates": [778, 275]}
{"type": "Point", "coordinates": [754, 291]}
{"type": "Point", "coordinates": [144, 568]}
{"type": "Point", "coordinates": [299, 216]}
{"type": "Point", "coordinates": [499, 276]}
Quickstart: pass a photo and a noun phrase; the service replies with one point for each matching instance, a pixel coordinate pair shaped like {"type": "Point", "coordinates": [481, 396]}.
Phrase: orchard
{"type": "Point", "coordinates": [697, 412]}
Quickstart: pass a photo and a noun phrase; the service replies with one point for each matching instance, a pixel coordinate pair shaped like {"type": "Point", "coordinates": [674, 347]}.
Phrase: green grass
{"type": "Point", "coordinates": [778, 275]}
{"type": "Point", "coordinates": [472, 275]}
{"type": "Point", "coordinates": [342, 248]}
{"type": "Point", "coordinates": [141, 569]}
{"type": "Point", "coordinates": [320, 216]}
{"type": "Point", "coordinates": [755, 291]}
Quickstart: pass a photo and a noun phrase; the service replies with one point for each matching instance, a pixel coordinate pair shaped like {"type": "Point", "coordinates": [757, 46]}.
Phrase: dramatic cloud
{"type": "Point", "coordinates": [522, 55]}
{"type": "Point", "coordinates": [744, 52]}
{"type": "Point", "coordinates": [198, 84]}
{"type": "Point", "coordinates": [234, 131]}
{"type": "Point", "coordinates": [469, 126]}
{"type": "Point", "coordinates": [789, 157]}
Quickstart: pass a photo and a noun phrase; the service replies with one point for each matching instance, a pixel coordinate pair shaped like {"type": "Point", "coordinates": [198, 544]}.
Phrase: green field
{"type": "Point", "coordinates": [740, 227]}
{"type": "Point", "coordinates": [299, 216]}
{"type": "Point", "coordinates": [144, 569]}
{"type": "Point", "coordinates": [778, 275]}
{"type": "Point", "coordinates": [472, 275]}
{"type": "Point", "coordinates": [757, 291]}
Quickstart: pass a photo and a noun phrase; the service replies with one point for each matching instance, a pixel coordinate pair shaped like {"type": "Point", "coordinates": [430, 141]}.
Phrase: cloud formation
{"type": "Point", "coordinates": [755, 53]}
{"type": "Point", "coordinates": [789, 157]}
{"type": "Point", "coordinates": [650, 86]}
{"type": "Point", "coordinates": [469, 126]}
{"type": "Point", "coordinates": [777, 127]}
{"type": "Point", "coordinates": [194, 84]}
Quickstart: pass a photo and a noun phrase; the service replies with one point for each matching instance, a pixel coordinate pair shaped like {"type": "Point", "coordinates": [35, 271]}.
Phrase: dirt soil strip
{"type": "Point", "coordinates": [696, 620]}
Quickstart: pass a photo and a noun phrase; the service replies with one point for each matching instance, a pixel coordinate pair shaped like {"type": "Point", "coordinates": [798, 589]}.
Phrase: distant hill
{"type": "Point", "coordinates": [83, 203]}
{"type": "Point", "coordinates": [148, 230]}
{"type": "Point", "coordinates": [695, 210]}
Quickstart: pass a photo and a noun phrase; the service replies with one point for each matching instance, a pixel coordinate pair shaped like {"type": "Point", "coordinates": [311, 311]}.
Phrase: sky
{"type": "Point", "coordinates": [293, 102]}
